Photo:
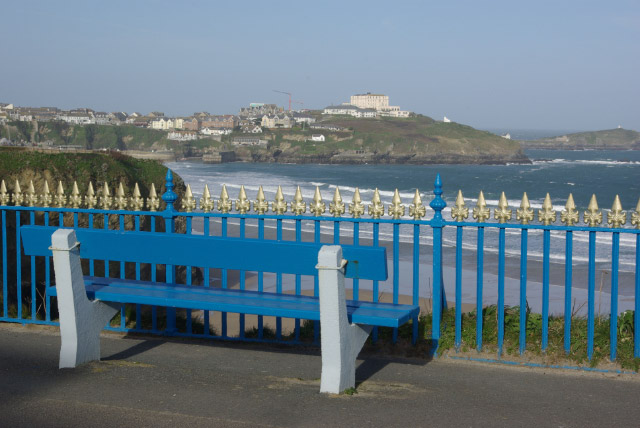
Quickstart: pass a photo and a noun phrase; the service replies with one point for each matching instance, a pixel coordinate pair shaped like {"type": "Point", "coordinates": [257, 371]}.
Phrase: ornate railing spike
{"type": "Point", "coordinates": [4, 196]}
{"type": "Point", "coordinates": [569, 215]}
{"type": "Point", "coordinates": [91, 200]}
{"type": "Point", "coordinates": [318, 207]}
{"type": "Point", "coordinates": [261, 206]}
{"type": "Point", "coordinates": [224, 203]}
{"type": "Point", "coordinates": [616, 217]}
{"type": "Point", "coordinates": [136, 201]}
{"type": "Point", "coordinates": [60, 199]}
{"type": "Point", "coordinates": [75, 199]}
{"type": "Point", "coordinates": [206, 203]}
{"type": "Point", "coordinates": [279, 205]}
{"type": "Point", "coordinates": [503, 213]}
{"type": "Point", "coordinates": [416, 209]}
{"type": "Point", "coordinates": [547, 215]}
{"type": "Point", "coordinates": [356, 207]}
{"type": "Point", "coordinates": [376, 208]}
{"type": "Point", "coordinates": [18, 196]}
{"type": "Point", "coordinates": [336, 207]}
{"type": "Point", "coordinates": [480, 212]}
{"type": "Point", "coordinates": [396, 209]}
{"type": "Point", "coordinates": [121, 199]}
{"type": "Point", "coordinates": [188, 202]}
{"type": "Point", "coordinates": [32, 198]}
{"type": "Point", "coordinates": [105, 199]}
{"type": "Point", "coordinates": [593, 216]}
{"type": "Point", "coordinates": [459, 212]}
{"type": "Point", "coordinates": [298, 206]}
{"type": "Point", "coordinates": [635, 216]}
{"type": "Point", "coordinates": [243, 204]}
{"type": "Point", "coordinates": [153, 202]}
{"type": "Point", "coordinates": [524, 214]}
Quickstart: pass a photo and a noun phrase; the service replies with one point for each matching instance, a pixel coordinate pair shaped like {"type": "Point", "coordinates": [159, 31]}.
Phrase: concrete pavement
{"type": "Point", "coordinates": [156, 382]}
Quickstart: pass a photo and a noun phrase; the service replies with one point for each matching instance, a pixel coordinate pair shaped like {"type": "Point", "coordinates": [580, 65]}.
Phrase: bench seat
{"type": "Point", "coordinates": [239, 301]}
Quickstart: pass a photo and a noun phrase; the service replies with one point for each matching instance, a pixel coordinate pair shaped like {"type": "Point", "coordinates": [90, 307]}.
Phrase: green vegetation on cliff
{"type": "Point", "coordinates": [122, 137]}
{"type": "Point", "coordinates": [418, 140]}
{"type": "Point", "coordinates": [610, 139]}
{"type": "Point", "coordinates": [98, 168]}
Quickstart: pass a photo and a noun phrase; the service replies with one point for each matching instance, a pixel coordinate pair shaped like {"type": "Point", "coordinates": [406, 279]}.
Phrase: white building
{"type": "Point", "coordinates": [317, 137]}
{"type": "Point", "coordinates": [216, 131]}
{"type": "Point", "coordinates": [446, 120]}
{"type": "Point", "coordinates": [249, 141]}
{"type": "Point", "coordinates": [76, 118]}
{"type": "Point", "coordinates": [182, 136]}
{"type": "Point", "coordinates": [166, 123]}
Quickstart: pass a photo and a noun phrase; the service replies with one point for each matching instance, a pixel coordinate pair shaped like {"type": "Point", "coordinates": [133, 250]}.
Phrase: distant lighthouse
{"type": "Point", "coordinates": [446, 119]}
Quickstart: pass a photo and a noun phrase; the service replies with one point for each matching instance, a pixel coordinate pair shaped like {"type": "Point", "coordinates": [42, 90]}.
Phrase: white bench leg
{"type": "Point", "coordinates": [81, 320]}
{"type": "Point", "coordinates": [341, 341]}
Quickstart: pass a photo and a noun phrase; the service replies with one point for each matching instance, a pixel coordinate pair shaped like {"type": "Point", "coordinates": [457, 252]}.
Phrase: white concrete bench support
{"type": "Point", "coordinates": [341, 341]}
{"type": "Point", "coordinates": [81, 320]}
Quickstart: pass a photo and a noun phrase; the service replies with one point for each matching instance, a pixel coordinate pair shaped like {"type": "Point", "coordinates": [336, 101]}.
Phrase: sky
{"type": "Point", "coordinates": [570, 65]}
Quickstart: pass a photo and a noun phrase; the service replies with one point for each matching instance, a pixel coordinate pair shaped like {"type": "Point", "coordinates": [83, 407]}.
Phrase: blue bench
{"type": "Point", "coordinates": [86, 304]}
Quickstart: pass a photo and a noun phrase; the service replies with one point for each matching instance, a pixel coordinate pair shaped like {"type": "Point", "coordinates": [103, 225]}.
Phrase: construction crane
{"type": "Point", "coordinates": [286, 93]}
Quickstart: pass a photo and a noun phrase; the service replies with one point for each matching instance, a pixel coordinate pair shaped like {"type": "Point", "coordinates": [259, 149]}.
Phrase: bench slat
{"type": "Point", "coordinates": [239, 301]}
{"type": "Point", "coordinates": [208, 251]}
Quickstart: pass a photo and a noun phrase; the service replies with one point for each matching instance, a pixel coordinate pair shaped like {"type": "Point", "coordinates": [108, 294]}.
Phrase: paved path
{"type": "Point", "coordinates": [151, 382]}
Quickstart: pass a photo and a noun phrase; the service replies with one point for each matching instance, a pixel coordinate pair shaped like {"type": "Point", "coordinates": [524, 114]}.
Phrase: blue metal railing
{"type": "Point", "coordinates": [357, 230]}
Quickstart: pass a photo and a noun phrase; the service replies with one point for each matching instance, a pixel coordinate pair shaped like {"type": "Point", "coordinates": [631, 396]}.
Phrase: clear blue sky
{"type": "Point", "coordinates": [507, 64]}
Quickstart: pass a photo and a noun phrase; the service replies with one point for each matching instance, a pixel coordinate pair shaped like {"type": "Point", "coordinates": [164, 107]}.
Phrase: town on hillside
{"type": "Point", "coordinates": [245, 126]}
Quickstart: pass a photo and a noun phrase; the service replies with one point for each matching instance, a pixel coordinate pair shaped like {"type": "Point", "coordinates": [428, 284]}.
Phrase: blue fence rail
{"type": "Point", "coordinates": [24, 278]}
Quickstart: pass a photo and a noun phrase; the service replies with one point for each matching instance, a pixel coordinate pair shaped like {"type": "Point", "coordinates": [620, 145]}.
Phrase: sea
{"type": "Point", "coordinates": [558, 173]}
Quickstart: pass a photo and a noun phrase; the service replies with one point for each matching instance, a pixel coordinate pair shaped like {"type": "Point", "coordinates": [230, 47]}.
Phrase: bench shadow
{"type": "Point", "coordinates": [134, 350]}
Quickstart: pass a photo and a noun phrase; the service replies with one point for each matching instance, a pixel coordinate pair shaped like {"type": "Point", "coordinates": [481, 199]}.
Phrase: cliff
{"type": "Point", "coordinates": [610, 139]}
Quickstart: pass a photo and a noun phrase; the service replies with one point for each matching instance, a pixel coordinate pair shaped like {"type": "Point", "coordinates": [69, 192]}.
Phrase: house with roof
{"type": "Point", "coordinates": [277, 121]}
{"type": "Point", "coordinates": [317, 137]}
{"type": "Point", "coordinates": [251, 129]}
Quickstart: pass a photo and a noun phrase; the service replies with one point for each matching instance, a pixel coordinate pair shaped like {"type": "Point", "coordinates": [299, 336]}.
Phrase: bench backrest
{"type": "Point", "coordinates": [208, 251]}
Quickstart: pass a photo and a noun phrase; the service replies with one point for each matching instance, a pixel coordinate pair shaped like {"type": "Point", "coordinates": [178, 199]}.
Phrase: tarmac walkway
{"type": "Point", "coordinates": [164, 383]}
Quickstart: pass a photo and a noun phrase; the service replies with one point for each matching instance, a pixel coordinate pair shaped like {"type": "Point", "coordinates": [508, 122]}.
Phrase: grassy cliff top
{"type": "Point", "coordinates": [618, 138]}
{"type": "Point", "coordinates": [98, 168]}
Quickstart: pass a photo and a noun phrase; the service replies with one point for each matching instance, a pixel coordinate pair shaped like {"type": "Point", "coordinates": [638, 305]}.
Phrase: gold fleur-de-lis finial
{"type": "Point", "coordinates": [376, 208]}
{"type": "Point", "coordinates": [105, 199]}
{"type": "Point", "coordinates": [32, 198]}
{"type": "Point", "coordinates": [593, 216]}
{"type": "Point", "coordinates": [503, 213]}
{"type": "Point", "coordinates": [91, 199]}
{"type": "Point", "coordinates": [121, 199]}
{"type": "Point", "coordinates": [396, 209]}
{"type": "Point", "coordinates": [480, 211]}
{"type": "Point", "coordinates": [298, 206]}
{"type": "Point", "coordinates": [224, 203]}
{"type": "Point", "coordinates": [136, 201]}
{"type": "Point", "coordinates": [243, 204]}
{"type": "Point", "coordinates": [153, 202]}
{"type": "Point", "coordinates": [188, 202]}
{"type": "Point", "coordinates": [206, 203]}
{"type": "Point", "coordinates": [336, 207]}
{"type": "Point", "coordinates": [75, 199]}
{"type": "Point", "coordinates": [635, 216]}
{"type": "Point", "coordinates": [318, 207]}
{"type": "Point", "coordinates": [570, 215]}
{"type": "Point", "coordinates": [17, 196]}
{"type": "Point", "coordinates": [459, 212]}
{"type": "Point", "coordinates": [279, 205]}
{"type": "Point", "coordinates": [416, 209]}
{"type": "Point", "coordinates": [547, 215]}
{"type": "Point", "coordinates": [261, 205]}
{"type": "Point", "coordinates": [616, 217]}
{"type": "Point", "coordinates": [60, 199]}
{"type": "Point", "coordinates": [356, 207]}
{"type": "Point", "coordinates": [524, 214]}
{"type": "Point", "coordinates": [4, 196]}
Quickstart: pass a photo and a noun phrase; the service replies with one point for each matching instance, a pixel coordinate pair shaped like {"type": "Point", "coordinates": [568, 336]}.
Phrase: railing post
{"type": "Point", "coordinates": [169, 215]}
{"type": "Point", "coordinates": [437, 223]}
